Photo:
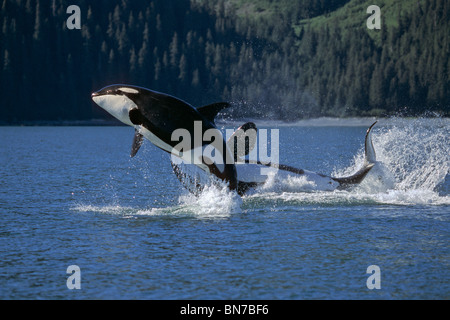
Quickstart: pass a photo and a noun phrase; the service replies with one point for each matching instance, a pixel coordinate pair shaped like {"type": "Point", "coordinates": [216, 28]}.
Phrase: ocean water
{"type": "Point", "coordinates": [73, 196]}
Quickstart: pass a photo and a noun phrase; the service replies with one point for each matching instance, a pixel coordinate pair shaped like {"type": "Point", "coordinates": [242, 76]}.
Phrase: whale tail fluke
{"type": "Point", "coordinates": [369, 162]}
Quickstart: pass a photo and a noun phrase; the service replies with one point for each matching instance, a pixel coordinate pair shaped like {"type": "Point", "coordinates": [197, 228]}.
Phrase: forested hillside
{"type": "Point", "coordinates": [271, 59]}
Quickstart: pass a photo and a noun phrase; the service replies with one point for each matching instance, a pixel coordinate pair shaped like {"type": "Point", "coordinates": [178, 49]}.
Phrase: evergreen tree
{"type": "Point", "coordinates": [269, 58]}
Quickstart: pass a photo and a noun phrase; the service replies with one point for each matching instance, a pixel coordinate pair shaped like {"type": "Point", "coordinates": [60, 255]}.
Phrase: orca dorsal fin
{"type": "Point", "coordinates": [137, 143]}
{"type": "Point", "coordinates": [210, 111]}
{"type": "Point", "coordinates": [243, 141]}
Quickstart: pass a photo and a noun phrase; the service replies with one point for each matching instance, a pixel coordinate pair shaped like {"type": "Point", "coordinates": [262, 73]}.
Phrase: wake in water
{"type": "Point", "coordinates": [412, 169]}
{"type": "Point", "coordinates": [214, 202]}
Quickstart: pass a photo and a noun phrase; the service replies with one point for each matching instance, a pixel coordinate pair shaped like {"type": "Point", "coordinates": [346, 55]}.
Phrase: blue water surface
{"type": "Point", "coordinates": [73, 196]}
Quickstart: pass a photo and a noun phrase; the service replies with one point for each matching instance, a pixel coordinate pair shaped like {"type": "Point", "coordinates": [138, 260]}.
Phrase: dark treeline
{"type": "Point", "coordinates": [407, 73]}
{"type": "Point", "coordinates": [208, 50]}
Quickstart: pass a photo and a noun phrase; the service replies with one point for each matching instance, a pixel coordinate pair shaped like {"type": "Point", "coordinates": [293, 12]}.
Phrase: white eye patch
{"type": "Point", "coordinates": [128, 90]}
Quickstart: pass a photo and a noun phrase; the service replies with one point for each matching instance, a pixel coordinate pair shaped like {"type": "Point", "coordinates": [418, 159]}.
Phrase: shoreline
{"type": "Point", "coordinates": [313, 122]}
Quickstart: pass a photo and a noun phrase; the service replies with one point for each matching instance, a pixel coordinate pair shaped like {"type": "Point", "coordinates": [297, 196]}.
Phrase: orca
{"type": "Point", "coordinates": [156, 116]}
{"type": "Point", "coordinates": [249, 174]}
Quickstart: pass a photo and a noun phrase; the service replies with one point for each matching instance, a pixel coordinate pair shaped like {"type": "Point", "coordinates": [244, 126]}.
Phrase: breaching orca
{"type": "Point", "coordinates": [156, 116]}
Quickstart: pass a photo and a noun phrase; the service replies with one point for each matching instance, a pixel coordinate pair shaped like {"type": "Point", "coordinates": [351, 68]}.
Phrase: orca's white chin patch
{"type": "Point", "coordinates": [117, 105]}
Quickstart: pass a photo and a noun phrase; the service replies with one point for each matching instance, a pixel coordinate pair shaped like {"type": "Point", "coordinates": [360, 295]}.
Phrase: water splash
{"type": "Point", "coordinates": [293, 184]}
{"type": "Point", "coordinates": [214, 202]}
{"type": "Point", "coordinates": [417, 152]}
{"type": "Point", "coordinates": [412, 169]}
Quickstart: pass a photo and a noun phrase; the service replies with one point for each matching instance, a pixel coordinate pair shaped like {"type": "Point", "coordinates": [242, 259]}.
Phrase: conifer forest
{"type": "Point", "coordinates": [284, 60]}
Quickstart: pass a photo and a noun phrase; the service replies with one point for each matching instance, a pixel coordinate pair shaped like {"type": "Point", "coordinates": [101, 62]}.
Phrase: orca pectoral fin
{"type": "Point", "coordinates": [210, 111]}
{"type": "Point", "coordinates": [369, 151]}
{"type": "Point", "coordinates": [370, 159]}
{"type": "Point", "coordinates": [243, 141]}
{"type": "Point", "coordinates": [137, 143]}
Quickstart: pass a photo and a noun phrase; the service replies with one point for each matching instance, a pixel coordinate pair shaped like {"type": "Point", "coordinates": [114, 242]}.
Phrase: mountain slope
{"type": "Point", "coordinates": [272, 59]}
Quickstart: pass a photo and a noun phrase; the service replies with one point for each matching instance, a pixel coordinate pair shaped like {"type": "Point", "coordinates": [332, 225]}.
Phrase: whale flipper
{"type": "Point", "coordinates": [370, 155]}
{"type": "Point", "coordinates": [137, 143]}
{"type": "Point", "coordinates": [210, 111]}
{"type": "Point", "coordinates": [369, 162]}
